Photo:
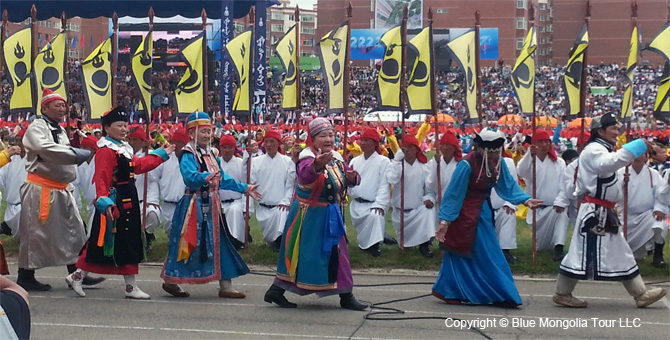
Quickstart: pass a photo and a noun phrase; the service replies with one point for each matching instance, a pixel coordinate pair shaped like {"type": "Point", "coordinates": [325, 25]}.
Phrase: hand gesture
{"type": "Point", "coordinates": [559, 209]}
{"type": "Point", "coordinates": [534, 203]}
{"type": "Point", "coordinates": [508, 210]}
{"type": "Point", "coordinates": [352, 177]}
{"type": "Point", "coordinates": [659, 216]}
{"type": "Point", "coordinates": [13, 150]}
{"type": "Point", "coordinates": [251, 191]}
{"type": "Point", "coordinates": [169, 148]}
{"type": "Point", "coordinates": [378, 211]}
{"type": "Point", "coordinates": [110, 212]}
{"type": "Point", "coordinates": [322, 159]}
{"type": "Point", "coordinates": [429, 204]}
{"type": "Point", "coordinates": [214, 177]}
{"type": "Point", "coordinates": [283, 207]}
{"type": "Point", "coordinates": [441, 232]}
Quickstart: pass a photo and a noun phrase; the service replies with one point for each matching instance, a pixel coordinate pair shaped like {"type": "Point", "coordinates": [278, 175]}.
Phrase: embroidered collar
{"type": "Point", "coordinates": [121, 147]}
{"type": "Point", "coordinates": [604, 143]}
{"type": "Point", "coordinates": [52, 123]}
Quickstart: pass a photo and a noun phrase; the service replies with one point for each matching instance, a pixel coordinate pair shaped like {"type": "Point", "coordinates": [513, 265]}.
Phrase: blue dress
{"type": "Point", "coordinates": [485, 277]}
{"type": "Point", "coordinates": [212, 257]}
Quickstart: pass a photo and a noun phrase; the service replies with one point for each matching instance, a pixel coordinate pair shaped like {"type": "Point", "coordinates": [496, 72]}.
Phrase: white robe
{"type": "Point", "coordinates": [505, 223]}
{"type": "Point", "coordinates": [373, 188]}
{"type": "Point", "coordinates": [153, 196]}
{"type": "Point", "coordinates": [567, 195]}
{"type": "Point", "coordinates": [446, 171]}
{"type": "Point", "coordinates": [234, 211]}
{"type": "Point", "coordinates": [84, 183]}
{"type": "Point", "coordinates": [597, 176]}
{"type": "Point", "coordinates": [420, 222]}
{"type": "Point", "coordinates": [171, 186]}
{"type": "Point", "coordinates": [643, 190]}
{"type": "Point", "coordinates": [552, 227]}
{"type": "Point", "coordinates": [12, 176]}
{"type": "Point", "coordinates": [275, 178]}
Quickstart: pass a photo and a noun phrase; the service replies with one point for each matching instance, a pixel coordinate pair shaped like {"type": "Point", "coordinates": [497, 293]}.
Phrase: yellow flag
{"type": "Point", "coordinates": [421, 87]}
{"type": "Point", "coordinates": [661, 45]}
{"type": "Point", "coordinates": [523, 74]}
{"type": "Point", "coordinates": [627, 104]}
{"type": "Point", "coordinates": [97, 79]}
{"type": "Point", "coordinates": [462, 50]}
{"type": "Point", "coordinates": [189, 89]}
{"type": "Point", "coordinates": [50, 66]}
{"type": "Point", "coordinates": [572, 80]}
{"type": "Point", "coordinates": [287, 50]}
{"type": "Point", "coordinates": [661, 42]}
{"type": "Point", "coordinates": [333, 49]}
{"type": "Point", "coordinates": [142, 64]}
{"type": "Point", "coordinates": [17, 52]}
{"type": "Point", "coordinates": [388, 79]}
{"type": "Point", "coordinates": [240, 50]}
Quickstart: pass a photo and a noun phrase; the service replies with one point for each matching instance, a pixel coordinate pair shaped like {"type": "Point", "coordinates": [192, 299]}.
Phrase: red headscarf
{"type": "Point", "coordinates": [449, 138]}
{"type": "Point", "coordinates": [542, 135]}
{"type": "Point", "coordinates": [181, 136]}
{"type": "Point", "coordinates": [90, 141]}
{"type": "Point", "coordinates": [410, 140]}
{"type": "Point", "coordinates": [372, 134]}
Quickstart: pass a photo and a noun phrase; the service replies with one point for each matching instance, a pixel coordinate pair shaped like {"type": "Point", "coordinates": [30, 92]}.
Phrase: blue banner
{"type": "Point", "coordinates": [227, 28]}
{"type": "Point", "coordinates": [365, 44]}
{"type": "Point", "coordinates": [260, 62]}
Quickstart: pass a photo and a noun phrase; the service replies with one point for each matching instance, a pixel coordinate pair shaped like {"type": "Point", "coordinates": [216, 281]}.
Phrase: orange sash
{"type": "Point", "coordinates": [45, 194]}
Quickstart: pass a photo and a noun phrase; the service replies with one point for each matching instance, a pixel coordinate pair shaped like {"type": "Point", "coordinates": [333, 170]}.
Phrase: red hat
{"type": "Point", "coordinates": [272, 134]}
{"type": "Point", "coordinates": [541, 135]}
{"type": "Point", "coordinates": [180, 136]}
{"type": "Point", "coordinates": [139, 134]}
{"type": "Point", "coordinates": [21, 133]}
{"type": "Point", "coordinates": [228, 140]}
{"type": "Point", "coordinates": [449, 138]}
{"type": "Point", "coordinates": [371, 133]}
{"type": "Point", "coordinates": [48, 96]}
{"type": "Point", "coordinates": [411, 140]}
{"type": "Point", "coordinates": [90, 141]}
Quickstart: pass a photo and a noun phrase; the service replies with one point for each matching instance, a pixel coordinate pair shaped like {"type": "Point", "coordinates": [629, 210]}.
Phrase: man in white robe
{"type": "Point", "coordinates": [646, 214]}
{"type": "Point", "coordinates": [233, 203]}
{"type": "Point", "coordinates": [275, 175]}
{"type": "Point", "coordinates": [12, 177]}
{"type": "Point", "coordinates": [566, 196]}
{"type": "Point", "coordinates": [505, 217]}
{"type": "Point", "coordinates": [598, 249]}
{"type": "Point", "coordinates": [419, 207]}
{"type": "Point", "coordinates": [84, 181]}
{"type": "Point", "coordinates": [170, 183]}
{"type": "Point", "coordinates": [370, 198]}
{"type": "Point", "coordinates": [551, 216]}
{"type": "Point", "coordinates": [449, 155]}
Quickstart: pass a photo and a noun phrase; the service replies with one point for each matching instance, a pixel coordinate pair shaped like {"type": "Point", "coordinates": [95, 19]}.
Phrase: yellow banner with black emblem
{"type": "Point", "coordinates": [333, 49]}
{"type": "Point", "coordinates": [142, 64]}
{"type": "Point", "coordinates": [463, 51]}
{"type": "Point", "coordinates": [661, 45]}
{"type": "Point", "coordinates": [97, 79]}
{"type": "Point", "coordinates": [572, 81]}
{"type": "Point", "coordinates": [421, 85]}
{"type": "Point", "coordinates": [188, 95]}
{"type": "Point", "coordinates": [627, 104]}
{"type": "Point", "coordinates": [240, 51]}
{"type": "Point", "coordinates": [523, 74]}
{"type": "Point", "coordinates": [287, 50]}
{"type": "Point", "coordinates": [387, 86]}
{"type": "Point", "coordinates": [17, 54]}
{"type": "Point", "coordinates": [50, 66]}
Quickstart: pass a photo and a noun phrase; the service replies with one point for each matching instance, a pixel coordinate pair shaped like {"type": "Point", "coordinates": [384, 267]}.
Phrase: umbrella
{"type": "Point", "coordinates": [442, 118]}
{"type": "Point", "coordinates": [511, 120]}
{"type": "Point", "coordinates": [577, 124]}
{"type": "Point", "coordinates": [546, 121]}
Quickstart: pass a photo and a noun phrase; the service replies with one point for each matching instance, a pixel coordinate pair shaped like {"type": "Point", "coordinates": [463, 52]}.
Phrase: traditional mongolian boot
{"type": "Point", "coordinates": [74, 280]}
{"type": "Point", "coordinates": [174, 290]}
{"type": "Point", "coordinates": [511, 259]}
{"type": "Point", "coordinates": [424, 249]}
{"type": "Point", "coordinates": [276, 294]}
{"type": "Point", "coordinates": [389, 240]}
{"type": "Point", "coordinates": [659, 262]}
{"type": "Point", "coordinates": [348, 301]}
{"type": "Point", "coordinates": [558, 253]}
{"type": "Point", "coordinates": [26, 279]}
{"type": "Point", "coordinates": [373, 250]}
{"type": "Point", "coordinates": [568, 300]}
{"type": "Point", "coordinates": [88, 281]}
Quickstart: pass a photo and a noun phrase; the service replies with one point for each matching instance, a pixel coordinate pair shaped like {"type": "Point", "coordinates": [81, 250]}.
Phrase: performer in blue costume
{"type": "Point", "coordinates": [474, 269]}
{"type": "Point", "coordinates": [313, 255]}
{"type": "Point", "coordinates": [200, 249]}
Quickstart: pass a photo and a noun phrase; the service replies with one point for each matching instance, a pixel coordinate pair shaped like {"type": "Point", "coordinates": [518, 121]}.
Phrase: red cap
{"type": "Point", "coordinates": [21, 133]}
{"type": "Point", "coordinates": [48, 96]}
{"type": "Point", "coordinates": [541, 135]}
{"type": "Point", "coordinates": [371, 133]}
{"type": "Point", "coordinates": [449, 138]}
{"type": "Point", "coordinates": [272, 134]}
{"type": "Point", "coordinates": [180, 136]}
{"type": "Point", "coordinates": [410, 140]}
{"type": "Point", "coordinates": [228, 140]}
{"type": "Point", "coordinates": [139, 134]}
{"type": "Point", "coordinates": [90, 141]}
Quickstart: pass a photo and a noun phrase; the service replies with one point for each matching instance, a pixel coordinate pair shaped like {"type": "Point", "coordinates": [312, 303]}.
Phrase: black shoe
{"type": "Point", "coordinates": [26, 279]}
{"type": "Point", "coordinates": [424, 249]}
{"type": "Point", "coordinates": [558, 253]}
{"type": "Point", "coordinates": [239, 245]}
{"type": "Point", "coordinates": [249, 239]}
{"type": "Point", "coordinates": [276, 244]}
{"type": "Point", "coordinates": [348, 301]}
{"type": "Point", "coordinates": [276, 294]}
{"type": "Point", "coordinates": [658, 261]}
{"type": "Point", "coordinates": [150, 240]}
{"type": "Point", "coordinates": [389, 240]}
{"type": "Point", "coordinates": [89, 281]}
{"type": "Point", "coordinates": [4, 229]}
{"type": "Point", "coordinates": [373, 250]}
{"type": "Point", "coordinates": [511, 259]}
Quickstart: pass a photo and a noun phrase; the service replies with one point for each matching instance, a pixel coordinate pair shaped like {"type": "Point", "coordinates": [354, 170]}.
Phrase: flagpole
{"type": "Point", "coordinates": [33, 32]}
{"type": "Point", "coordinates": [115, 47]}
{"type": "Point", "coordinates": [403, 90]}
{"type": "Point", "coordinates": [2, 39]}
{"type": "Point", "coordinates": [66, 77]}
{"type": "Point", "coordinates": [626, 175]}
{"type": "Point", "coordinates": [479, 72]}
{"type": "Point", "coordinates": [433, 106]}
{"type": "Point", "coordinates": [347, 79]}
{"type": "Point", "coordinates": [298, 98]}
{"type": "Point", "coordinates": [582, 83]}
{"type": "Point", "coordinates": [205, 80]}
{"type": "Point", "coordinates": [531, 20]}
{"type": "Point", "coordinates": [252, 17]}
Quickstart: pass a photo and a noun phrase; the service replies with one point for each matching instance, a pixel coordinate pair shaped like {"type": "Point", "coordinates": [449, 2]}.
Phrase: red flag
{"type": "Point", "coordinates": [82, 41]}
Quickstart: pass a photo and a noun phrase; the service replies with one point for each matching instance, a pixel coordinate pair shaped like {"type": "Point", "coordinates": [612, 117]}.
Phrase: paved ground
{"type": "Point", "coordinates": [105, 314]}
